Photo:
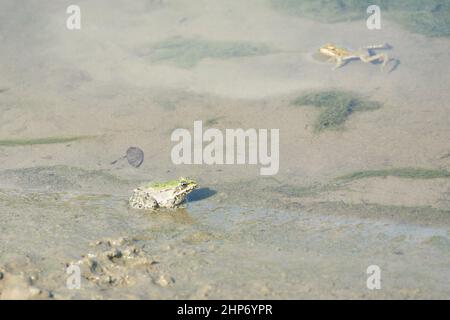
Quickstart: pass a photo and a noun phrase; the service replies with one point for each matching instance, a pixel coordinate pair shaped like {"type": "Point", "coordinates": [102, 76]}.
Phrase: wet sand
{"type": "Point", "coordinates": [245, 236]}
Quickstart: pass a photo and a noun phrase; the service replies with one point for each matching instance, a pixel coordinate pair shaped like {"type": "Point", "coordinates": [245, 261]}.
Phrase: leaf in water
{"type": "Point", "coordinates": [135, 156]}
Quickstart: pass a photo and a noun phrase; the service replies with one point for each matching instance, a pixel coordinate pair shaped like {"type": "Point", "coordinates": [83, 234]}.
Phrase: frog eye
{"type": "Point", "coordinates": [183, 183]}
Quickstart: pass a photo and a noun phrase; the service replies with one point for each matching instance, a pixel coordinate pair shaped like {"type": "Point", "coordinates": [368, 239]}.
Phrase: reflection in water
{"type": "Point", "coordinates": [395, 63]}
{"type": "Point", "coordinates": [166, 217]}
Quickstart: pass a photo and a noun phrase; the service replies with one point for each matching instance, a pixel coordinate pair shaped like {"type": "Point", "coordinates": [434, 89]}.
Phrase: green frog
{"type": "Point", "coordinates": [170, 194]}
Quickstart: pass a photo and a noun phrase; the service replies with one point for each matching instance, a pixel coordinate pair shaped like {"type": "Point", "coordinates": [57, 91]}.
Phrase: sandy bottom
{"type": "Point", "coordinates": [292, 235]}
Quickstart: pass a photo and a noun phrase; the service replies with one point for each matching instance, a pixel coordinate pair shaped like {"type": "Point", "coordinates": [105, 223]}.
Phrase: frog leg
{"type": "Point", "coordinates": [142, 200]}
{"type": "Point", "coordinates": [177, 202]}
{"type": "Point", "coordinates": [380, 56]}
{"type": "Point", "coordinates": [339, 63]}
{"type": "Point", "coordinates": [151, 203]}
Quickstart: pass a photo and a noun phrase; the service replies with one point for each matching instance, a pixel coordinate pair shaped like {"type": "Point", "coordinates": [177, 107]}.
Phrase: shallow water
{"type": "Point", "coordinates": [231, 64]}
{"type": "Point", "coordinates": [218, 251]}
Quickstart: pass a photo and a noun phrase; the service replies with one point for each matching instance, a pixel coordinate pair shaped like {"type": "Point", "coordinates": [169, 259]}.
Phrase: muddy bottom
{"type": "Point", "coordinates": [209, 250]}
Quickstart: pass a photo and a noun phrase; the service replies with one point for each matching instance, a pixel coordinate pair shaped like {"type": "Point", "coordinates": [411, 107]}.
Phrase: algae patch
{"type": "Point", "coordinates": [416, 213]}
{"type": "Point", "coordinates": [408, 173]}
{"type": "Point", "coordinates": [188, 52]}
{"type": "Point", "coordinates": [336, 107]}
{"type": "Point", "coordinates": [62, 178]}
{"type": "Point", "coordinates": [38, 141]}
{"type": "Point", "coordinates": [431, 18]}
{"type": "Point", "coordinates": [305, 191]}
{"type": "Point", "coordinates": [212, 121]}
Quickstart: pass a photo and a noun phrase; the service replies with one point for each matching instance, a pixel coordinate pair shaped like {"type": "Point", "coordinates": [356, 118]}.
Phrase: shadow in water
{"type": "Point", "coordinates": [200, 194]}
{"type": "Point", "coordinates": [396, 63]}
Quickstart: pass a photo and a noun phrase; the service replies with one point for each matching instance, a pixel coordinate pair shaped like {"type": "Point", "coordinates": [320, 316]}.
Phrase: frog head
{"type": "Point", "coordinates": [329, 50]}
{"type": "Point", "coordinates": [184, 187]}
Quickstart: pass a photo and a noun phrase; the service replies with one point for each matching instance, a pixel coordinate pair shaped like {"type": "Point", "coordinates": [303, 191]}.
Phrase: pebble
{"type": "Point", "coordinates": [164, 280]}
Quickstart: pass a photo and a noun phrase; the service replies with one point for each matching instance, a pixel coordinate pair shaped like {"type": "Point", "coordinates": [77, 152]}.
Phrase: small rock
{"type": "Point", "coordinates": [164, 280]}
{"type": "Point", "coordinates": [34, 291]}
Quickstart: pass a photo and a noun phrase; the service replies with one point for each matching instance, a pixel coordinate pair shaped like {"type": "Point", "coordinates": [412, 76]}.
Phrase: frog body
{"type": "Point", "coordinates": [341, 55]}
{"type": "Point", "coordinates": [170, 194]}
